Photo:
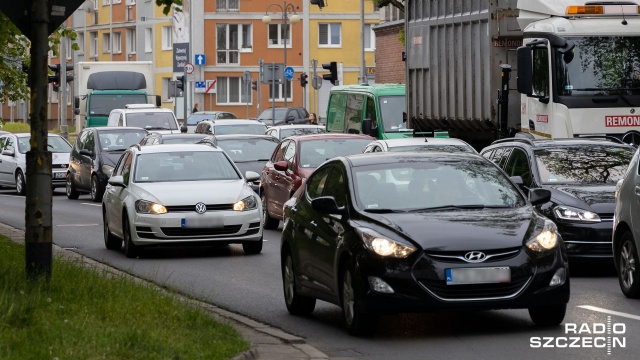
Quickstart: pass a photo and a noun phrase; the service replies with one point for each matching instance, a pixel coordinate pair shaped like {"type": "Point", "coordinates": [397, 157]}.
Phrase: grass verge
{"type": "Point", "coordinates": [84, 313]}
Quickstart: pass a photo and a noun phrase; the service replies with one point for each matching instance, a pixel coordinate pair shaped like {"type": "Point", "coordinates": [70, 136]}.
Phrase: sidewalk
{"type": "Point", "coordinates": [268, 342]}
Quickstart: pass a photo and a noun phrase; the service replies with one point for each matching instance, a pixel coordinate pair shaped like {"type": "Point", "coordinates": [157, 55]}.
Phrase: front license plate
{"type": "Point", "coordinates": [204, 222]}
{"type": "Point", "coordinates": [58, 175]}
{"type": "Point", "coordinates": [461, 276]}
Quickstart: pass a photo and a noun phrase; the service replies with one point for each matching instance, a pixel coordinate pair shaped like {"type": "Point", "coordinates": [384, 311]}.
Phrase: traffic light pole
{"type": "Point", "coordinates": [62, 100]}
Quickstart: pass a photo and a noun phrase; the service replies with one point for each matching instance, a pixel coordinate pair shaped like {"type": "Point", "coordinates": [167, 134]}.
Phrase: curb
{"type": "Point", "coordinates": [267, 342]}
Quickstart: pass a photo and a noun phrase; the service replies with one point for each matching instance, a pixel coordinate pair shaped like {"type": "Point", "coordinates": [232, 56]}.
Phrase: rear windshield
{"type": "Point", "coordinates": [315, 152]}
{"type": "Point", "coordinates": [152, 120]}
{"type": "Point", "coordinates": [257, 129]}
{"type": "Point", "coordinates": [284, 133]}
{"type": "Point", "coordinates": [120, 140]}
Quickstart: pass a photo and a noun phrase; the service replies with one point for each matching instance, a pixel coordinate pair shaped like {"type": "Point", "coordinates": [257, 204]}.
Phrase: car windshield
{"type": "Point", "coordinates": [315, 152]}
{"type": "Point", "coordinates": [244, 150]}
{"type": "Point", "coordinates": [391, 111]}
{"type": "Point", "coordinates": [267, 114]}
{"type": "Point", "coordinates": [102, 104]}
{"type": "Point", "coordinates": [56, 144]}
{"type": "Point", "coordinates": [184, 166]}
{"type": "Point", "coordinates": [257, 129]}
{"type": "Point", "coordinates": [285, 133]}
{"type": "Point", "coordinates": [119, 140]}
{"type": "Point", "coordinates": [152, 120]}
{"type": "Point", "coordinates": [433, 185]}
{"type": "Point", "coordinates": [583, 164]}
{"type": "Point", "coordinates": [450, 148]}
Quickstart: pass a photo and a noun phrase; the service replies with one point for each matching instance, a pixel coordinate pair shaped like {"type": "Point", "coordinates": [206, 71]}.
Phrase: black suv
{"type": "Point", "coordinates": [284, 116]}
{"type": "Point", "coordinates": [581, 174]}
{"type": "Point", "coordinates": [93, 157]}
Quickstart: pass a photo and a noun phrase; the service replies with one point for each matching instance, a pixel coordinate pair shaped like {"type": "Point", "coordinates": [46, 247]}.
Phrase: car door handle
{"type": "Point", "coordinates": [637, 189]}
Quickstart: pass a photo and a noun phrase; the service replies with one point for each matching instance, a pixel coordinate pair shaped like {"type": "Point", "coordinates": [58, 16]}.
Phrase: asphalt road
{"type": "Point", "coordinates": [251, 285]}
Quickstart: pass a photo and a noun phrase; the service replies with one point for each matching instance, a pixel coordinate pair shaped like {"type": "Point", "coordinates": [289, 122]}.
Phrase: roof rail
{"type": "Point", "coordinates": [602, 137]}
{"type": "Point", "coordinates": [516, 139]}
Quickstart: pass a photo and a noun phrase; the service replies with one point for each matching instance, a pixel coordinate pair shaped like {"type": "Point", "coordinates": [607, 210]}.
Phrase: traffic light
{"type": "Point", "coordinates": [69, 78]}
{"type": "Point", "coordinates": [180, 83]}
{"type": "Point", "coordinates": [333, 72]}
{"type": "Point", "coordinates": [254, 85]}
{"type": "Point", "coordinates": [55, 78]}
{"type": "Point", "coordinates": [303, 79]}
{"type": "Point", "coordinates": [320, 3]}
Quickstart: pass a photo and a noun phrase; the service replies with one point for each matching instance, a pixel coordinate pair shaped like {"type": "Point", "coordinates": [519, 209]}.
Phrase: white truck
{"type": "Point", "coordinates": [484, 70]}
{"type": "Point", "coordinates": [107, 85]}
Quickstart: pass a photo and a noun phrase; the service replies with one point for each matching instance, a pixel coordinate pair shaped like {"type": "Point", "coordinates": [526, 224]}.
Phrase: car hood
{"type": "Point", "coordinates": [461, 230]}
{"type": "Point", "coordinates": [192, 192]}
{"type": "Point", "coordinates": [597, 198]}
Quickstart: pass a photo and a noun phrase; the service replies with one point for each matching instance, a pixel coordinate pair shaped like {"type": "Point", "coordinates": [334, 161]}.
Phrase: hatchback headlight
{"type": "Point", "coordinates": [149, 207]}
{"type": "Point", "coordinates": [545, 240]}
{"type": "Point", "coordinates": [248, 203]}
{"type": "Point", "coordinates": [574, 214]}
{"type": "Point", "coordinates": [383, 246]}
{"type": "Point", "coordinates": [107, 170]}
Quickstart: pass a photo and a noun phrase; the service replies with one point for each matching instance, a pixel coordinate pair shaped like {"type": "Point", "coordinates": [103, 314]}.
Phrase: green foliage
{"type": "Point", "coordinates": [14, 54]}
{"type": "Point", "coordinates": [167, 5]}
{"type": "Point", "coordinates": [91, 314]}
{"type": "Point", "coordinates": [401, 36]}
{"type": "Point", "coordinates": [16, 127]}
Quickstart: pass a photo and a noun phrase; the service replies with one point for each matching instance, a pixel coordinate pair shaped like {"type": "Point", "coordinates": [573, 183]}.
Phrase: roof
{"type": "Point", "coordinates": [241, 136]}
{"type": "Point", "coordinates": [422, 141]}
{"type": "Point", "coordinates": [378, 89]}
{"type": "Point", "coordinates": [297, 126]}
{"type": "Point", "coordinates": [234, 122]}
{"type": "Point", "coordinates": [177, 136]}
{"type": "Point", "coordinates": [551, 143]}
{"type": "Point", "coordinates": [324, 136]}
{"type": "Point", "coordinates": [394, 157]}
{"type": "Point", "coordinates": [117, 128]}
{"type": "Point", "coordinates": [144, 109]}
{"type": "Point", "coordinates": [175, 147]}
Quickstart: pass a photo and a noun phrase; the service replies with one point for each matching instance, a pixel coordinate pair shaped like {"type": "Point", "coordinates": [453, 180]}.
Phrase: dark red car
{"type": "Point", "coordinates": [293, 160]}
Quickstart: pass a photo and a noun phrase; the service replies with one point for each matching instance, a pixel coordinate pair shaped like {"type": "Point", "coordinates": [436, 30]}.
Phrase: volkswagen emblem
{"type": "Point", "coordinates": [475, 256]}
{"type": "Point", "coordinates": [201, 208]}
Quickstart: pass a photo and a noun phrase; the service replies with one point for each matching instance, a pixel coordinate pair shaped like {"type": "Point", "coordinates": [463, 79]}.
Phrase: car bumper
{"type": "Point", "coordinates": [587, 240]}
{"type": "Point", "coordinates": [423, 287]}
{"type": "Point", "coordinates": [215, 227]}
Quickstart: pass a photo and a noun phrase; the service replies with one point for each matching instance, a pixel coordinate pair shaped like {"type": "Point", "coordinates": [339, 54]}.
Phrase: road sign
{"type": "Point", "coordinates": [211, 87]}
{"type": "Point", "coordinates": [200, 59]}
{"type": "Point", "coordinates": [200, 87]}
{"type": "Point", "coordinates": [272, 73]}
{"type": "Point", "coordinates": [289, 72]}
{"type": "Point", "coordinates": [188, 67]}
{"type": "Point", "coordinates": [246, 77]}
{"type": "Point", "coordinates": [316, 82]}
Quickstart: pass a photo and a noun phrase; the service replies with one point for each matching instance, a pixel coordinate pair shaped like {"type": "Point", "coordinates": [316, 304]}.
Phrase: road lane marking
{"type": "Point", "coordinates": [606, 311]}
{"type": "Point", "coordinates": [91, 204]}
{"type": "Point", "coordinates": [62, 225]}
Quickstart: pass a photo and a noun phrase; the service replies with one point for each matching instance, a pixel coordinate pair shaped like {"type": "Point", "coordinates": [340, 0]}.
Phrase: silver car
{"type": "Point", "coordinates": [13, 160]}
{"type": "Point", "coordinates": [182, 194]}
{"type": "Point", "coordinates": [419, 144]}
{"type": "Point", "coordinates": [626, 230]}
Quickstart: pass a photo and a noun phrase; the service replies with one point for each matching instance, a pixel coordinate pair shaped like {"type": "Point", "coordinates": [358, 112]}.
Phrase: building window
{"type": "Point", "coordinates": [130, 2]}
{"type": "Point", "coordinates": [278, 33]}
{"type": "Point", "coordinates": [329, 35]}
{"type": "Point", "coordinates": [106, 42]}
{"type": "Point", "coordinates": [117, 43]}
{"type": "Point", "coordinates": [231, 39]}
{"type": "Point", "coordinates": [131, 41]}
{"type": "Point", "coordinates": [369, 38]}
{"type": "Point", "coordinates": [93, 44]}
{"type": "Point", "coordinates": [278, 92]}
{"type": "Point", "coordinates": [167, 43]}
{"type": "Point", "coordinates": [231, 92]}
{"type": "Point", "coordinates": [148, 40]}
{"type": "Point", "coordinates": [80, 42]}
{"type": "Point", "coordinates": [227, 5]}
{"type": "Point", "coordinates": [106, 2]}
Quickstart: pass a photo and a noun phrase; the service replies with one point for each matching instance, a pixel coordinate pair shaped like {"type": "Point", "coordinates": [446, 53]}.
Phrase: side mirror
{"type": "Point", "coordinates": [7, 152]}
{"type": "Point", "coordinates": [539, 196]}
{"type": "Point", "coordinates": [183, 128]}
{"type": "Point", "coordinates": [366, 126]}
{"type": "Point", "coordinates": [251, 176]}
{"type": "Point", "coordinates": [86, 152]}
{"type": "Point", "coordinates": [76, 102]}
{"type": "Point", "coordinates": [117, 180]}
{"type": "Point", "coordinates": [281, 165]}
{"type": "Point", "coordinates": [326, 205]}
{"type": "Point", "coordinates": [525, 70]}
{"type": "Point", "coordinates": [290, 118]}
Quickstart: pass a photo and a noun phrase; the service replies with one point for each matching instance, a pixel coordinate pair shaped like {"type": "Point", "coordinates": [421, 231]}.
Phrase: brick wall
{"type": "Point", "coordinates": [390, 68]}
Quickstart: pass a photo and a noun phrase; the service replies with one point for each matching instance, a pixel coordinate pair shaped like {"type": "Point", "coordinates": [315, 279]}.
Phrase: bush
{"type": "Point", "coordinates": [15, 127]}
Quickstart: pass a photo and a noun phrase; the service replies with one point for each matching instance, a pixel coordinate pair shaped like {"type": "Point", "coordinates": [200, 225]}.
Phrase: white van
{"type": "Point", "coordinates": [146, 116]}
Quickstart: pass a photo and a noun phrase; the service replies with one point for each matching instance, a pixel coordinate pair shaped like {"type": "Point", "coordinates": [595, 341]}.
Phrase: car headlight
{"type": "Point", "coordinates": [574, 214]}
{"type": "Point", "coordinates": [248, 203]}
{"type": "Point", "coordinates": [546, 239]}
{"type": "Point", "coordinates": [383, 246]}
{"type": "Point", "coordinates": [107, 170]}
{"type": "Point", "coordinates": [149, 207]}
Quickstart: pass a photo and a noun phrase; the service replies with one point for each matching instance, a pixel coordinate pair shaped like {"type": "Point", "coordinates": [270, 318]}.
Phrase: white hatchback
{"type": "Point", "coordinates": [183, 194]}
{"type": "Point", "coordinates": [626, 230]}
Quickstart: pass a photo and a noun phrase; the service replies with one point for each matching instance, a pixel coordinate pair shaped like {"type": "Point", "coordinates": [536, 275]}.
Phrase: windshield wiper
{"type": "Point", "coordinates": [156, 128]}
{"type": "Point", "coordinates": [384, 211]}
{"type": "Point", "coordinates": [453, 207]}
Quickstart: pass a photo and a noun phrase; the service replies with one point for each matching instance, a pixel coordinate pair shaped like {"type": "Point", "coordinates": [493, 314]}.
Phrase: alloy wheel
{"type": "Point", "coordinates": [348, 298]}
{"type": "Point", "coordinates": [627, 264]}
{"type": "Point", "coordinates": [19, 182]}
{"type": "Point", "coordinates": [289, 281]}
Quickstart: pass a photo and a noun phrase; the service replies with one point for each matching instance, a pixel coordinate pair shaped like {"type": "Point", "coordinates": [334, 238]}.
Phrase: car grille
{"type": "Point", "coordinates": [606, 217]}
{"type": "Point", "coordinates": [178, 231]}
{"type": "Point", "coordinates": [470, 292]}
{"type": "Point", "coordinates": [192, 208]}
{"type": "Point", "coordinates": [586, 249]}
{"type": "Point", "coordinates": [458, 256]}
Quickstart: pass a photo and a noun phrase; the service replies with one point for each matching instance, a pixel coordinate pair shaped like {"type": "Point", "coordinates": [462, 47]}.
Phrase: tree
{"type": "Point", "coordinates": [397, 3]}
{"type": "Point", "coordinates": [13, 79]}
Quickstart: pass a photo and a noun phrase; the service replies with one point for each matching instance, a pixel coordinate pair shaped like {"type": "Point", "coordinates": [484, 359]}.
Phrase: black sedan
{"type": "Point", "coordinates": [406, 232]}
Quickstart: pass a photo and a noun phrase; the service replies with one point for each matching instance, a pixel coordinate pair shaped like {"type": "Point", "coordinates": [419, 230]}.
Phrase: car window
{"type": "Point", "coordinates": [114, 140]}
{"type": "Point", "coordinates": [315, 152]}
{"type": "Point", "coordinates": [518, 165]}
{"type": "Point", "coordinates": [82, 139]}
{"type": "Point", "coordinates": [249, 149]}
{"type": "Point", "coordinates": [303, 113]}
{"type": "Point", "coordinates": [126, 170]}
{"type": "Point", "coordinates": [488, 154]}
{"type": "Point", "coordinates": [226, 116]}
{"type": "Point", "coordinates": [336, 186]}
{"type": "Point", "coordinates": [290, 155]}
{"type": "Point", "coordinates": [316, 183]}
{"type": "Point", "coordinates": [2, 140]}
{"type": "Point", "coordinates": [90, 142]}
{"type": "Point", "coordinates": [501, 155]}
{"type": "Point", "coordinates": [9, 144]}
{"type": "Point", "coordinates": [252, 129]}
{"type": "Point", "coordinates": [353, 113]}
{"type": "Point", "coordinates": [279, 154]}
{"type": "Point", "coordinates": [120, 164]}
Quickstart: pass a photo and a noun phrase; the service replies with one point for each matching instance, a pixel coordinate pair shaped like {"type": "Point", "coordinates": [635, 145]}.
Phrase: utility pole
{"type": "Point", "coordinates": [63, 87]}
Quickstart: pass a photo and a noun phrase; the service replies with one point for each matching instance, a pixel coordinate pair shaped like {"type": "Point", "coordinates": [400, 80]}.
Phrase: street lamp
{"type": "Point", "coordinates": [286, 10]}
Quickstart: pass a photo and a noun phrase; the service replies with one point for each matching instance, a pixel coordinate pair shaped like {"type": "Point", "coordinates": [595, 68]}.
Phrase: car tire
{"type": "Point", "coordinates": [252, 247]}
{"type": "Point", "coordinates": [268, 222]}
{"type": "Point", "coordinates": [72, 193]}
{"type": "Point", "coordinates": [357, 321]}
{"type": "Point", "coordinates": [628, 266]}
{"type": "Point", "coordinates": [110, 241]}
{"type": "Point", "coordinates": [131, 250]}
{"type": "Point", "coordinates": [551, 315]}
{"type": "Point", "coordinates": [21, 187]}
{"type": "Point", "coordinates": [96, 190]}
{"type": "Point", "coordinates": [296, 304]}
